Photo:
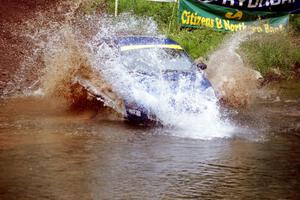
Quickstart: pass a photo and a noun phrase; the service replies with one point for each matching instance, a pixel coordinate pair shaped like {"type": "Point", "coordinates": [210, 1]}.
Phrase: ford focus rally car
{"type": "Point", "coordinates": [152, 58]}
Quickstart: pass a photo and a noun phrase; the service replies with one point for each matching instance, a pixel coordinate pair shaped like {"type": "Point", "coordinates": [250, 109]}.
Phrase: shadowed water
{"type": "Point", "coordinates": [49, 153]}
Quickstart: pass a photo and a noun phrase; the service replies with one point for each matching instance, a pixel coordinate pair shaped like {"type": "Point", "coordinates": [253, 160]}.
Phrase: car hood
{"type": "Point", "coordinates": [174, 79]}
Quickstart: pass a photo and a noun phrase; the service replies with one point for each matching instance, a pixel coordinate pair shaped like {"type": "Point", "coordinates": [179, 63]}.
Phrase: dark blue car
{"type": "Point", "coordinates": [174, 63]}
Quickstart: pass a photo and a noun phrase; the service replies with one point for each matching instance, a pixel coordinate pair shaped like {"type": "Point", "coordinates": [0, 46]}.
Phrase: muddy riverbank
{"type": "Point", "coordinates": [20, 22]}
{"type": "Point", "coordinates": [14, 47]}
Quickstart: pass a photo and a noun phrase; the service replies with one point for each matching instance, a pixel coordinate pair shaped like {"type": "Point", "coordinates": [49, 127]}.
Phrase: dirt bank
{"type": "Point", "coordinates": [14, 46]}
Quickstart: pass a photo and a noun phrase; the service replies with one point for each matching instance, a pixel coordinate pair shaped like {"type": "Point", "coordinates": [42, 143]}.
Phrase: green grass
{"type": "Point", "coordinates": [199, 42]}
{"type": "Point", "coordinates": [160, 12]}
{"type": "Point", "coordinates": [278, 52]}
{"type": "Point", "coordinates": [295, 23]}
{"type": "Point", "coordinates": [272, 51]}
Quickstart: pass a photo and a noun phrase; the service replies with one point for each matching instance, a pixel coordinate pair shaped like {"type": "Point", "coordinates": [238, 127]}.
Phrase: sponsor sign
{"type": "Point", "coordinates": [291, 6]}
{"type": "Point", "coordinates": [194, 14]}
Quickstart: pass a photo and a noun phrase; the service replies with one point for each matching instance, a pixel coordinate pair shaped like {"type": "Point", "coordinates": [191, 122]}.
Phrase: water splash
{"type": "Point", "coordinates": [78, 48]}
{"type": "Point", "coordinates": [236, 83]}
{"type": "Point", "coordinates": [185, 112]}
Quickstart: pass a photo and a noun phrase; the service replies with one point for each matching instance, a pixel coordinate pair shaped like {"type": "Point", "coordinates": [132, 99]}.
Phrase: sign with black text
{"type": "Point", "coordinates": [194, 14]}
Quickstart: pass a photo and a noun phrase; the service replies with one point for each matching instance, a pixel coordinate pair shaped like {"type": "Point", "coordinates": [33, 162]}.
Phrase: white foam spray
{"type": "Point", "coordinates": [80, 48]}
{"type": "Point", "coordinates": [185, 112]}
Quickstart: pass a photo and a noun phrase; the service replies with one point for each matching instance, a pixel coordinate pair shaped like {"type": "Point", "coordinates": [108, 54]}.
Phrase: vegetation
{"type": "Point", "coordinates": [295, 23]}
{"type": "Point", "coordinates": [275, 55]}
{"type": "Point", "coordinates": [272, 53]}
{"type": "Point", "coordinates": [199, 42]}
{"type": "Point", "coordinates": [160, 12]}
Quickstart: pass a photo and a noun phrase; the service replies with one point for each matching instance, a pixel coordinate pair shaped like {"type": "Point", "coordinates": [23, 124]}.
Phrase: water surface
{"type": "Point", "coordinates": [49, 153]}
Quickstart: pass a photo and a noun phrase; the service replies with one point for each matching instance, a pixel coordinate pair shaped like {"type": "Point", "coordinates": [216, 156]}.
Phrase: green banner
{"type": "Point", "coordinates": [193, 14]}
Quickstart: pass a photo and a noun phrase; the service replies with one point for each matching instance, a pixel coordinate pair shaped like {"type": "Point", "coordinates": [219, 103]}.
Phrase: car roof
{"type": "Point", "coordinates": [144, 40]}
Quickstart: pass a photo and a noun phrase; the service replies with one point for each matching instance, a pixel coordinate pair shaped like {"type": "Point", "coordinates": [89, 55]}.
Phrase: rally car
{"type": "Point", "coordinates": [136, 54]}
{"type": "Point", "coordinates": [174, 63]}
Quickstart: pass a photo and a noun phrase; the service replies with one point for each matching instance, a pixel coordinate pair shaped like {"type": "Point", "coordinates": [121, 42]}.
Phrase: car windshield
{"type": "Point", "coordinates": [156, 59]}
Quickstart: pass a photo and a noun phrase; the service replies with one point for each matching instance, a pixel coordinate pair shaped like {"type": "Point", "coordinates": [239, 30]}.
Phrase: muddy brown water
{"type": "Point", "coordinates": [49, 153]}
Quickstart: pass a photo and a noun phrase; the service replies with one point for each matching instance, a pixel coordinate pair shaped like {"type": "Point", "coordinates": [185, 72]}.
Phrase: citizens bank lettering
{"type": "Point", "coordinates": [250, 3]}
{"type": "Point", "coordinates": [193, 14]}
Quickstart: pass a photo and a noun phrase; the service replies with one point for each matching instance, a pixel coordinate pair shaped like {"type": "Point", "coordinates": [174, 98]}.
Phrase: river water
{"type": "Point", "coordinates": [48, 152]}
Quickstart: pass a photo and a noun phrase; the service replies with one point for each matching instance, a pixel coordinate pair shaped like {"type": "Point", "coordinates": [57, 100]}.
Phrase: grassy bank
{"type": "Point", "coordinates": [274, 55]}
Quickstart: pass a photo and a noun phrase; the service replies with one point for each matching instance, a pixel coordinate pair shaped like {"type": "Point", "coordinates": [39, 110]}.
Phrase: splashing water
{"type": "Point", "coordinates": [67, 51]}
{"type": "Point", "coordinates": [236, 83]}
{"type": "Point", "coordinates": [172, 108]}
